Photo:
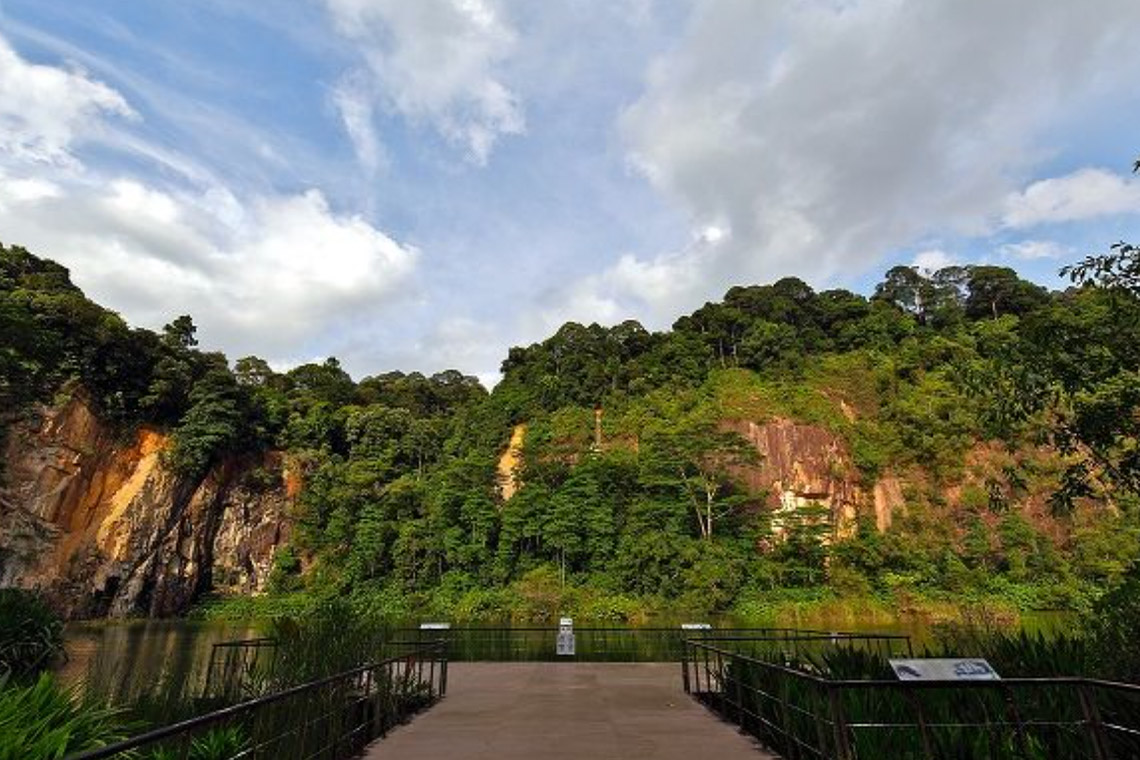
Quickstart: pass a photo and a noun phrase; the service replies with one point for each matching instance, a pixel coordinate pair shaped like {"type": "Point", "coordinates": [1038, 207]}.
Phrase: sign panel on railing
{"type": "Point", "coordinates": [565, 645]}
{"type": "Point", "coordinates": [944, 669]}
{"type": "Point", "coordinates": [435, 626]}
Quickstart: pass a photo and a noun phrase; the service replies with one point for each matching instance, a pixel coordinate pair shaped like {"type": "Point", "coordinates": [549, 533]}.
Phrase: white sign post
{"type": "Point", "coordinates": [565, 646]}
{"type": "Point", "coordinates": [944, 669]}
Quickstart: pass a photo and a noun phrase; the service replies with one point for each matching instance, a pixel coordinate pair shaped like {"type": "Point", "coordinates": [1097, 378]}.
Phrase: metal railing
{"type": "Point", "coordinates": [330, 718]}
{"type": "Point", "coordinates": [593, 644]}
{"type": "Point", "coordinates": [806, 715]}
{"type": "Point", "coordinates": [235, 664]}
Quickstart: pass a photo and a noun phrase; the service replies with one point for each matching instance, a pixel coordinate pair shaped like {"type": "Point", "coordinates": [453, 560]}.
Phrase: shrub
{"type": "Point", "coordinates": [1115, 620]}
{"type": "Point", "coordinates": [31, 634]}
{"type": "Point", "coordinates": [42, 720]}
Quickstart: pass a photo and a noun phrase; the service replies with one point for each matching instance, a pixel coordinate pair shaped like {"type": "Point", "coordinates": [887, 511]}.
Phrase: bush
{"type": "Point", "coordinates": [43, 720]}
{"type": "Point", "coordinates": [31, 634]}
{"type": "Point", "coordinates": [1115, 619]}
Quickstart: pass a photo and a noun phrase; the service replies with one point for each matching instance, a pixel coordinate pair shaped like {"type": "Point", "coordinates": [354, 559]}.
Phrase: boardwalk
{"type": "Point", "coordinates": [558, 711]}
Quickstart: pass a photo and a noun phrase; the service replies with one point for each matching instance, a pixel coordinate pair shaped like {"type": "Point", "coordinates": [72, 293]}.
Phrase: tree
{"type": "Point", "coordinates": [212, 425]}
{"type": "Point", "coordinates": [1083, 357]}
{"type": "Point", "coordinates": [994, 291]}
{"type": "Point", "coordinates": [697, 457]}
{"type": "Point", "coordinates": [180, 333]}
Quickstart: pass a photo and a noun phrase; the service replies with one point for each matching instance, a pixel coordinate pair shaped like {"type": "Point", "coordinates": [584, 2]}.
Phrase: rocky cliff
{"type": "Point", "coordinates": [802, 466]}
{"type": "Point", "coordinates": [94, 519]}
{"type": "Point", "coordinates": [798, 465]}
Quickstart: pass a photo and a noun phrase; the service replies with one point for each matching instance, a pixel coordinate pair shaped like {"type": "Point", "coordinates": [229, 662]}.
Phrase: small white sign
{"type": "Point", "coordinates": [566, 623]}
{"type": "Point", "coordinates": [435, 626]}
{"type": "Point", "coordinates": [695, 627]}
{"type": "Point", "coordinates": [565, 647]}
{"type": "Point", "coordinates": [944, 669]}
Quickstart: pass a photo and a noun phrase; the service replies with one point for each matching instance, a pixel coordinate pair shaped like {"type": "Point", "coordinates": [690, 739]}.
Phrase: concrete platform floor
{"type": "Point", "coordinates": [563, 710]}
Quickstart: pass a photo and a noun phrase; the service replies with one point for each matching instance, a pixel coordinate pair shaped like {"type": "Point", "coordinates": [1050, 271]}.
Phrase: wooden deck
{"type": "Point", "coordinates": [562, 710]}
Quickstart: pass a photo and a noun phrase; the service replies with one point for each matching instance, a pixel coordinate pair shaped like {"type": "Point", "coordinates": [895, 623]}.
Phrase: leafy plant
{"type": "Point", "coordinates": [43, 721]}
{"type": "Point", "coordinates": [31, 634]}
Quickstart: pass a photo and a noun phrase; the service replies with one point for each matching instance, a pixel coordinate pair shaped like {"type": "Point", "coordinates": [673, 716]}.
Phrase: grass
{"type": "Point", "coordinates": [42, 720]}
{"type": "Point", "coordinates": [788, 712]}
{"type": "Point", "coordinates": [31, 634]}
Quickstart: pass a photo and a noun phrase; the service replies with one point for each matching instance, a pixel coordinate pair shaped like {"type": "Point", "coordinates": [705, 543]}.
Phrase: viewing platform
{"type": "Point", "coordinates": [564, 710]}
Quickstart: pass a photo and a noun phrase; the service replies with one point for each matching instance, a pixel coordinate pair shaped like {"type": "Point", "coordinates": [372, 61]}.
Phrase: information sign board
{"type": "Point", "coordinates": [944, 669]}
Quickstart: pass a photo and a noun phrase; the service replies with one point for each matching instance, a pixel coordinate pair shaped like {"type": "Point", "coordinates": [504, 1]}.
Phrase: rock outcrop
{"type": "Point", "coordinates": [98, 523]}
{"type": "Point", "coordinates": [507, 475]}
{"type": "Point", "coordinates": [802, 466]}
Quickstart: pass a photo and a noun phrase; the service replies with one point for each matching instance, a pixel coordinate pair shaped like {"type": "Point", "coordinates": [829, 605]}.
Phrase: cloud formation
{"type": "Point", "coordinates": [269, 273]}
{"type": "Point", "coordinates": [1084, 194]}
{"type": "Point", "coordinates": [1031, 250]}
{"type": "Point", "coordinates": [44, 109]}
{"type": "Point", "coordinates": [436, 62]}
{"type": "Point", "coordinates": [827, 135]}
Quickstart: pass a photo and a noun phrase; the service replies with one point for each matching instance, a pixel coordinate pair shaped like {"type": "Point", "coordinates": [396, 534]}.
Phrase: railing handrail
{"type": "Point", "coordinates": [217, 716]}
{"type": "Point", "coordinates": [625, 629]}
{"type": "Point", "coordinates": [259, 641]}
{"type": "Point", "coordinates": [810, 636]}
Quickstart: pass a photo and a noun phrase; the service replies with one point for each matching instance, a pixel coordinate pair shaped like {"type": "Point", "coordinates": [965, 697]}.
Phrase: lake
{"type": "Point", "coordinates": [128, 658]}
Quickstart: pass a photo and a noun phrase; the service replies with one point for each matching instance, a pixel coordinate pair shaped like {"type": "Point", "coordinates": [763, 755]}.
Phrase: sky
{"type": "Point", "coordinates": [421, 185]}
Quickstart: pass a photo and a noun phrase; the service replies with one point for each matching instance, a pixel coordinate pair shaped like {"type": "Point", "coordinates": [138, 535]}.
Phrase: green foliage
{"type": "Point", "coordinates": [42, 721]}
{"type": "Point", "coordinates": [633, 480]}
{"type": "Point", "coordinates": [31, 634]}
{"type": "Point", "coordinates": [1114, 626]}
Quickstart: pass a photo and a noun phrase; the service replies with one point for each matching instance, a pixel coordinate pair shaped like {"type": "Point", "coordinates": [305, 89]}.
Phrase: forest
{"type": "Point", "coordinates": [1005, 411]}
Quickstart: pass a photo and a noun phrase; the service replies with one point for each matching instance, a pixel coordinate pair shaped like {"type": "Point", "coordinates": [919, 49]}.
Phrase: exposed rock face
{"type": "Point", "coordinates": [101, 526]}
{"type": "Point", "coordinates": [888, 500]}
{"type": "Point", "coordinates": [509, 461]}
{"type": "Point", "coordinates": [802, 466]}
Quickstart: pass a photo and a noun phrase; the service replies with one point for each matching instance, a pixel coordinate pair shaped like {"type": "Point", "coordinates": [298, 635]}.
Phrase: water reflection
{"type": "Point", "coordinates": [124, 660]}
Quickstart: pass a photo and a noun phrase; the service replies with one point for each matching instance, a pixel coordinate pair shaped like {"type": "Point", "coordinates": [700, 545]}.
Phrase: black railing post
{"type": "Point", "coordinates": [1093, 723]}
{"type": "Point", "coordinates": [685, 667]}
{"type": "Point", "coordinates": [443, 673]}
{"type": "Point", "coordinates": [839, 733]}
{"type": "Point", "coordinates": [1021, 742]}
{"type": "Point", "coordinates": [911, 695]}
{"type": "Point", "coordinates": [738, 687]}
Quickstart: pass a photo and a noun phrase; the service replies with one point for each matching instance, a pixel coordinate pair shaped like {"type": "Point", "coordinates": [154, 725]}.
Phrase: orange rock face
{"type": "Point", "coordinates": [92, 517]}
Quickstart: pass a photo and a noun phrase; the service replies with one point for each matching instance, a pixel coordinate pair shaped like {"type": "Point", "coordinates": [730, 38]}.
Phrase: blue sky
{"type": "Point", "coordinates": [422, 185]}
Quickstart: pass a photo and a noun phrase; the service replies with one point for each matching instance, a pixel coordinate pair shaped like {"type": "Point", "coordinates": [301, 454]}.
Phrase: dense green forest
{"type": "Point", "coordinates": [1007, 412]}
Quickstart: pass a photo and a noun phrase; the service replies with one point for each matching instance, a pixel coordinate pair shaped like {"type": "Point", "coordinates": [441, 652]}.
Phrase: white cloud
{"type": "Point", "coordinates": [45, 109]}
{"type": "Point", "coordinates": [1084, 194]}
{"type": "Point", "coordinates": [826, 135]}
{"type": "Point", "coordinates": [353, 100]}
{"type": "Point", "coordinates": [266, 276]}
{"type": "Point", "coordinates": [24, 190]}
{"type": "Point", "coordinates": [1029, 250]}
{"type": "Point", "coordinates": [438, 61]}
{"type": "Point", "coordinates": [268, 273]}
{"type": "Point", "coordinates": [932, 260]}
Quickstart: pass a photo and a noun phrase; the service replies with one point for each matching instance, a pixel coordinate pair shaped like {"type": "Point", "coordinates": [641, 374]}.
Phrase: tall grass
{"type": "Point", "coordinates": [797, 715]}
{"type": "Point", "coordinates": [42, 721]}
{"type": "Point", "coordinates": [31, 634]}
